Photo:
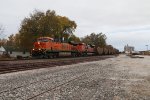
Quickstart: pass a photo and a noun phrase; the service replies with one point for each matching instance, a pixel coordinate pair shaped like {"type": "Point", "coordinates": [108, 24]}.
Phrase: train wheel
{"type": "Point", "coordinates": [78, 55]}
{"type": "Point", "coordinates": [41, 57]}
{"type": "Point", "coordinates": [57, 55]}
{"type": "Point", "coordinates": [53, 55]}
{"type": "Point", "coordinates": [86, 54]}
{"type": "Point", "coordinates": [49, 55]}
{"type": "Point", "coordinates": [73, 54]}
{"type": "Point", "coordinates": [45, 56]}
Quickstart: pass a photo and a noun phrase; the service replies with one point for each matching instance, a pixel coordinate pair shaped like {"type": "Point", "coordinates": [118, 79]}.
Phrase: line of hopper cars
{"type": "Point", "coordinates": [46, 47]}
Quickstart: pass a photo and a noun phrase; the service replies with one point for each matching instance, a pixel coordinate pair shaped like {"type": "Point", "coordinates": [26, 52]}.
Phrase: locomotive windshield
{"type": "Point", "coordinates": [44, 39]}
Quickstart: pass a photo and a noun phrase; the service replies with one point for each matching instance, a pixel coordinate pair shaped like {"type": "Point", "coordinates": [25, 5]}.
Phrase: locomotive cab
{"type": "Point", "coordinates": [41, 45]}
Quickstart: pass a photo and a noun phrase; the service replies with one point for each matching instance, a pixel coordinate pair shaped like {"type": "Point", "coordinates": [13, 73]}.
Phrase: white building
{"type": "Point", "coordinates": [2, 50]}
{"type": "Point", "coordinates": [128, 49]}
{"type": "Point", "coordinates": [18, 53]}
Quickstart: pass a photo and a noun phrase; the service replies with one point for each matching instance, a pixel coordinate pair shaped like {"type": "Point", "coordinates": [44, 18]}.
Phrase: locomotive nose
{"type": "Point", "coordinates": [39, 45]}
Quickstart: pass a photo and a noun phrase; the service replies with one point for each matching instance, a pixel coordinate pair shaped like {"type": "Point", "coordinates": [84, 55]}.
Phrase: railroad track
{"type": "Point", "coordinates": [29, 59]}
{"type": "Point", "coordinates": [29, 66]}
{"type": "Point", "coordinates": [10, 66]}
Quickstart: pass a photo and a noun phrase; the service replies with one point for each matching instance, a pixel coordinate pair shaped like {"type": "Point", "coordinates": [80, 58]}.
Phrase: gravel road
{"type": "Point", "coordinates": [119, 78]}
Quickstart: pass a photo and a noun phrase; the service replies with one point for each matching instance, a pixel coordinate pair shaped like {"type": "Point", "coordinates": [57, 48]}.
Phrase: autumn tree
{"type": "Point", "coordinates": [10, 42]}
{"type": "Point", "coordinates": [44, 24]}
{"type": "Point", "coordinates": [67, 27]}
{"type": "Point", "coordinates": [17, 40]}
{"type": "Point", "coordinates": [74, 38]}
{"type": "Point", "coordinates": [3, 42]}
{"type": "Point", "coordinates": [95, 39]}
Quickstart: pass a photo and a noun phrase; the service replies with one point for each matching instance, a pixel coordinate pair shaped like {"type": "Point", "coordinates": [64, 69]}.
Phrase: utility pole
{"type": "Point", "coordinates": [147, 47]}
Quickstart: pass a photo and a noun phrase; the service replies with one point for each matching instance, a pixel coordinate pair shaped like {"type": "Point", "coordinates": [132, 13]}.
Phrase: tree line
{"type": "Point", "coordinates": [48, 23]}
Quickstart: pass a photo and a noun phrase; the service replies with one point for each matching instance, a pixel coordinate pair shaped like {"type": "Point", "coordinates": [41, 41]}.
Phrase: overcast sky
{"type": "Point", "coordinates": [123, 21]}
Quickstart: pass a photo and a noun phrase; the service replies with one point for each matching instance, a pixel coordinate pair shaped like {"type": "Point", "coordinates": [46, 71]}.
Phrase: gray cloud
{"type": "Point", "coordinates": [123, 21]}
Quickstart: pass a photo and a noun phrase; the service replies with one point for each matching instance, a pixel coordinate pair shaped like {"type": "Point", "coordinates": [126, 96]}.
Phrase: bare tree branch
{"type": "Point", "coordinates": [1, 31]}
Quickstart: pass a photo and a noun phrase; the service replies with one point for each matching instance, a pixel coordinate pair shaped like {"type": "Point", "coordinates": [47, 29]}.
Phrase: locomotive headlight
{"type": "Point", "coordinates": [39, 49]}
{"type": "Point", "coordinates": [38, 42]}
{"type": "Point", "coordinates": [33, 49]}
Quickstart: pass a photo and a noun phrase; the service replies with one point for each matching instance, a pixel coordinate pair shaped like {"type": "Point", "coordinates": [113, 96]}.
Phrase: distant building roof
{"type": "Point", "coordinates": [2, 49]}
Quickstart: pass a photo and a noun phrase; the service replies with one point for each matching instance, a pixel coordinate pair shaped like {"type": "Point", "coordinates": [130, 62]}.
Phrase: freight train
{"type": "Point", "coordinates": [46, 47]}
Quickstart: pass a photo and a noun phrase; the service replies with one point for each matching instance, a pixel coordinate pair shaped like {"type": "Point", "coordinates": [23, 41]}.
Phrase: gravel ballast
{"type": "Point", "coordinates": [116, 78]}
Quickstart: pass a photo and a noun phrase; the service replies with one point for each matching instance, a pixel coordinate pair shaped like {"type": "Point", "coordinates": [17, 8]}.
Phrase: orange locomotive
{"type": "Point", "coordinates": [45, 47]}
